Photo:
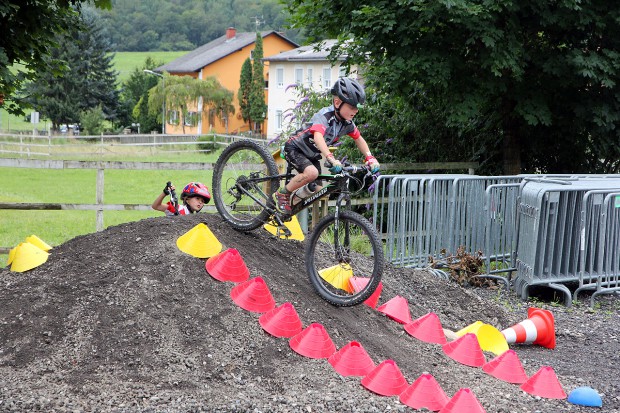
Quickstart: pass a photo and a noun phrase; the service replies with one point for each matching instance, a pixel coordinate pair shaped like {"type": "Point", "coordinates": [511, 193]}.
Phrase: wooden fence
{"type": "Point", "coordinates": [101, 166]}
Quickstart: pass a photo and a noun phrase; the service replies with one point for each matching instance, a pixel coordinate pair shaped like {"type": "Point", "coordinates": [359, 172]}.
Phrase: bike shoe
{"type": "Point", "coordinates": [282, 202]}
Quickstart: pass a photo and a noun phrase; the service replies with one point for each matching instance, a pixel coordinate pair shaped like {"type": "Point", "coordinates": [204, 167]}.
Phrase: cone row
{"type": "Point", "coordinates": [227, 266]}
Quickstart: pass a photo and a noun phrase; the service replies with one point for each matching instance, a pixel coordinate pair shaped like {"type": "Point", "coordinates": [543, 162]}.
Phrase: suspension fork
{"type": "Point", "coordinates": [342, 251]}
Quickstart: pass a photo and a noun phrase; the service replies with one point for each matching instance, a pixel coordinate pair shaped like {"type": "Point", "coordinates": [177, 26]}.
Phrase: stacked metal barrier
{"type": "Point", "coordinates": [425, 217]}
{"type": "Point", "coordinates": [549, 232]}
{"type": "Point", "coordinates": [533, 230]}
{"type": "Point", "coordinates": [599, 269]}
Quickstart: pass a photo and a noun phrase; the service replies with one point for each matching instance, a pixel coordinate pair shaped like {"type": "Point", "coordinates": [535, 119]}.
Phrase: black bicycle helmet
{"type": "Point", "coordinates": [349, 91]}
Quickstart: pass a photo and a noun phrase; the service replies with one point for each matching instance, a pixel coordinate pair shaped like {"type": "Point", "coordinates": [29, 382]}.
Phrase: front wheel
{"type": "Point", "coordinates": [344, 259]}
{"type": "Point", "coordinates": [244, 177]}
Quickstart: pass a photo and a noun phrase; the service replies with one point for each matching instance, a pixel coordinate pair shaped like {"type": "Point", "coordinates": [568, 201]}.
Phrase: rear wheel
{"type": "Point", "coordinates": [344, 259]}
{"type": "Point", "coordinates": [241, 184]}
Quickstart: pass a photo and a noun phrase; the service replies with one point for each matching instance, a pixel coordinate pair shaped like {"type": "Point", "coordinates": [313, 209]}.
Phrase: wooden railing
{"type": "Point", "coordinates": [99, 206]}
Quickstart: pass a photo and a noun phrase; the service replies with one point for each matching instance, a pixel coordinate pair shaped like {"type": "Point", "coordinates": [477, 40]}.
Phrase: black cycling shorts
{"type": "Point", "coordinates": [298, 159]}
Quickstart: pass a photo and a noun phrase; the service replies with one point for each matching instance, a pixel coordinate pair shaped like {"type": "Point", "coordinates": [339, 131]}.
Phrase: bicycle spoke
{"type": "Point", "coordinates": [241, 189]}
{"type": "Point", "coordinates": [341, 252]}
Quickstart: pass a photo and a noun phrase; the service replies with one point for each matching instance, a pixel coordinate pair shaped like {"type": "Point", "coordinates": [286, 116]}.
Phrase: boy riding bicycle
{"type": "Point", "coordinates": [303, 151]}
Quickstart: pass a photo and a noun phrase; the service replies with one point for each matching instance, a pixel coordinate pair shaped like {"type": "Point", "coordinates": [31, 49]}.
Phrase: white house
{"type": "Point", "coordinates": [304, 66]}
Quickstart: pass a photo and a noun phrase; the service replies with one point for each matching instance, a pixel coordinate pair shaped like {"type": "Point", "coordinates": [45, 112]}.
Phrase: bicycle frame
{"type": "Point", "coordinates": [336, 183]}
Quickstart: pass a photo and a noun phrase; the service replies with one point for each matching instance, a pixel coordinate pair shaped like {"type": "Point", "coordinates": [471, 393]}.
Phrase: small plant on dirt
{"type": "Point", "coordinates": [464, 267]}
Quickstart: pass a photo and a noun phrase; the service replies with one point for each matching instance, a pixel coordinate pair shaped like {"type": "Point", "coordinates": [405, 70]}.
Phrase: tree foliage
{"type": "Point", "coordinates": [245, 86]}
{"type": "Point", "coordinates": [134, 98]}
{"type": "Point", "coordinates": [182, 93]}
{"type": "Point", "coordinates": [543, 77]}
{"type": "Point", "coordinates": [83, 80]}
{"type": "Point", "coordinates": [144, 25]}
{"type": "Point", "coordinates": [258, 107]}
{"type": "Point", "coordinates": [29, 30]}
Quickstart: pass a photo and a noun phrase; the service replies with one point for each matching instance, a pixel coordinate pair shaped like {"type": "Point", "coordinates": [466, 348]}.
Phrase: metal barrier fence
{"type": "Point", "coordinates": [599, 269]}
{"type": "Point", "coordinates": [526, 226]}
{"type": "Point", "coordinates": [550, 235]}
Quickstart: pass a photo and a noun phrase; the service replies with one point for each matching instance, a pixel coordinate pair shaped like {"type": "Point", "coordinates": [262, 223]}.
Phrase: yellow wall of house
{"type": "Point", "coordinates": [228, 71]}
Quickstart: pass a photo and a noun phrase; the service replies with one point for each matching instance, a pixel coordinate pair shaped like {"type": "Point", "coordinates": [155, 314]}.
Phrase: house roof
{"type": "Point", "coordinates": [214, 51]}
{"type": "Point", "coordinates": [305, 53]}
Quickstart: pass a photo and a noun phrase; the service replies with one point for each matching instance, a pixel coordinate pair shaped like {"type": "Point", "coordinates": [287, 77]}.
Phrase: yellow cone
{"type": "Point", "coordinates": [199, 242]}
{"type": "Point", "coordinates": [34, 240]}
{"type": "Point", "coordinates": [338, 276]}
{"type": "Point", "coordinates": [293, 226]}
{"type": "Point", "coordinates": [489, 338]}
{"type": "Point", "coordinates": [27, 256]}
{"type": "Point", "coordinates": [11, 256]}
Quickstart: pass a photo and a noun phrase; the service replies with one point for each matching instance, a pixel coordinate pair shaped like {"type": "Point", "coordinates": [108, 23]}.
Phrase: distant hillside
{"type": "Point", "coordinates": [144, 25]}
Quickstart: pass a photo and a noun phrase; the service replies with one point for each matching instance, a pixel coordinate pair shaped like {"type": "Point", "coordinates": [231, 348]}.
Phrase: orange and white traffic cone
{"type": "Point", "coordinates": [538, 328]}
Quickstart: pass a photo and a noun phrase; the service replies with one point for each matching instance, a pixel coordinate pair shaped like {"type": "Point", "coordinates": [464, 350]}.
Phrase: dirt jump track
{"type": "Point", "coordinates": [123, 321]}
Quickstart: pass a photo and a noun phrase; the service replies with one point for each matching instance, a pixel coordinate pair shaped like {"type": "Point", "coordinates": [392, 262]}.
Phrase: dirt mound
{"type": "Point", "coordinates": [122, 320]}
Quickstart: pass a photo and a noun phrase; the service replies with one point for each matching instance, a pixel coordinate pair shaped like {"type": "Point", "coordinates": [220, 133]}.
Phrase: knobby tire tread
{"type": "Point", "coordinates": [315, 278]}
{"type": "Point", "coordinates": [218, 175]}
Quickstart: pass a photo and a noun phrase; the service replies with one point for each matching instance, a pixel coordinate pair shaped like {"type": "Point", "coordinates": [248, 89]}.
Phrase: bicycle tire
{"type": "Point", "coordinates": [329, 273]}
{"type": "Point", "coordinates": [232, 168]}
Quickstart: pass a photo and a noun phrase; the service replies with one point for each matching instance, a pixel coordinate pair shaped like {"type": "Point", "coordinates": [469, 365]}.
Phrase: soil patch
{"type": "Point", "coordinates": [123, 321]}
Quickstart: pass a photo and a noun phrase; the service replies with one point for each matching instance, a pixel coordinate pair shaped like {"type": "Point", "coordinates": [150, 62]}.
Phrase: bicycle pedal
{"type": "Point", "coordinates": [283, 231]}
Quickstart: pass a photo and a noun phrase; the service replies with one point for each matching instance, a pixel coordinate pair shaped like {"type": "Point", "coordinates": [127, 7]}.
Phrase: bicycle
{"type": "Point", "coordinates": [343, 255]}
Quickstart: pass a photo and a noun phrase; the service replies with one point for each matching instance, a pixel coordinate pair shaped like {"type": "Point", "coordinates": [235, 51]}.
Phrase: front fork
{"type": "Point", "coordinates": [342, 251]}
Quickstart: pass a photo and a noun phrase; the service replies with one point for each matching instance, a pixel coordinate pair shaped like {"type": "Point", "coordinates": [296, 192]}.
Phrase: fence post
{"type": "Point", "coordinates": [100, 199]}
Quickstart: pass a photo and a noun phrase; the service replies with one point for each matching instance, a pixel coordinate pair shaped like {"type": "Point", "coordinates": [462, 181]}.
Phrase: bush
{"type": "Point", "coordinates": [207, 143]}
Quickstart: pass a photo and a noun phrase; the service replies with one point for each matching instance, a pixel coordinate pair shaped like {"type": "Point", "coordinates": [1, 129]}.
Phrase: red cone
{"type": "Point", "coordinates": [544, 383]}
{"type": "Point", "coordinates": [313, 342]}
{"type": "Point", "coordinates": [358, 283]}
{"type": "Point", "coordinates": [466, 350]}
{"type": "Point", "coordinates": [506, 367]}
{"type": "Point", "coordinates": [352, 360]}
{"type": "Point", "coordinates": [463, 401]}
{"type": "Point", "coordinates": [425, 392]}
{"type": "Point", "coordinates": [397, 309]}
{"type": "Point", "coordinates": [386, 379]}
{"type": "Point", "coordinates": [427, 328]}
{"type": "Point", "coordinates": [282, 321]}
{"type": "Point", "coordinates": [227, 266]}
{"type": "Point", "coordinates": [253, 295]}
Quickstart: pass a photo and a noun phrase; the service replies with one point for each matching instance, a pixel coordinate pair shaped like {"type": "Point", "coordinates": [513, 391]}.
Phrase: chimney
{"type": "Point", "coordinates": [231, 32]}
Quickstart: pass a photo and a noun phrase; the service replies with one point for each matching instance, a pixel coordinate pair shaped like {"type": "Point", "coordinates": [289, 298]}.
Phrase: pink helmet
{"type": "Point", "coordinates": [196, 189]}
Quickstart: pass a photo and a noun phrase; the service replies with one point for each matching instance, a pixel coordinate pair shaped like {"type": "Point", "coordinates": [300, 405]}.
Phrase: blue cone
{"type": "Point", "coordinates": [585, 396]}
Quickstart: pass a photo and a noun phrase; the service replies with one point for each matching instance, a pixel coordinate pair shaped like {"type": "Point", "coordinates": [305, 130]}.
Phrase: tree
{"type": "Point", "coordinates": [535, 70]}
{"type": "Point", "coordinates": [86, 81]}
{"type": "Point", "coordinates": [258, 107]}
{"type": "Point", "coordinates": [245, 87]}
{"type": "Point", "coordinates": [184, 92]}
{"type": "Point", "coordinates": [134, 98]}
{"type": "Point", "coordinates": [29, 35]}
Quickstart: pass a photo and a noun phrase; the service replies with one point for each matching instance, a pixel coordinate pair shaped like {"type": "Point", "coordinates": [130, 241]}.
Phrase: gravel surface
{"type": "Point", "coordinates": [123, 321]}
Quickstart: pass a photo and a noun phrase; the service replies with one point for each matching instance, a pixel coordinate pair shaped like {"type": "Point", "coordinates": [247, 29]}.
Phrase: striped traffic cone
{"type": "Point", "coordinates": [538, 328]}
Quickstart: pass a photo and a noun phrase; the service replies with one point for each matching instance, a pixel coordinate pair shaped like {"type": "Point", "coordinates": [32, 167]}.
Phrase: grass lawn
{"type": "Point", "coordinates": [126, 62]}
{"type": "Point", "coordinates": [24, 185]}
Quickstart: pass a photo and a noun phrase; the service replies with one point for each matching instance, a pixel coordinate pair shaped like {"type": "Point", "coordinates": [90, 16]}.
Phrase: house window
{"type": "Point", "coordinates": [327, 77]}
{"type": "Point", "coordinates": [280, 77]}
{"type": "Point", "coordinates": [190, 118]}
{"type": "Point", "coordinates": [309, 74]}
{"type": "Point", "coordinates": [342, 72]}
{"type": "Point", "coordinates": [173, 117]}
{"type": "Point", "coordinates": [299, 75]}
{"type": "Point", "coordinates": [278, 119]}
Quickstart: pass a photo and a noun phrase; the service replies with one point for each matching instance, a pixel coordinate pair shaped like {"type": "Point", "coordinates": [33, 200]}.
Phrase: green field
{"type": "Point", "coordinates": [75, 186]}
{"type": "Point", "coordinates": [124, 64]}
